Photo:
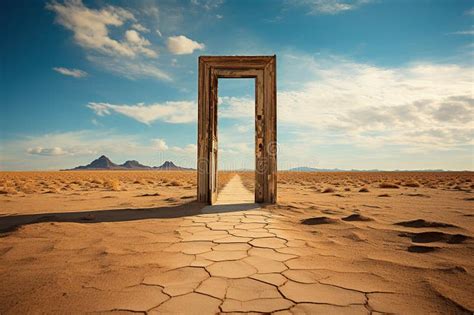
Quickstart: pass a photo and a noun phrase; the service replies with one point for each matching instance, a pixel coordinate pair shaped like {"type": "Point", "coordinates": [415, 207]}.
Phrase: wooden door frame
{"type": "Point", "coordinates": [263, 70]}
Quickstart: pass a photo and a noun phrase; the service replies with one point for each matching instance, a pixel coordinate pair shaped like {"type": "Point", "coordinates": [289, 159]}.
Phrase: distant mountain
{"type": "Point", "coordinates": [311, 169]}
{"type": "Point", "coordinates": [132, 164]}
{"type": "Point", "coordinates": [104, 163]}
{"type": "Point", "coordinates": [170, 166]}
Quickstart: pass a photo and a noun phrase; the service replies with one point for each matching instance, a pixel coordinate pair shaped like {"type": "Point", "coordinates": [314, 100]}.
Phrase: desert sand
{"type": "Point", "coordinates": [352, 243]}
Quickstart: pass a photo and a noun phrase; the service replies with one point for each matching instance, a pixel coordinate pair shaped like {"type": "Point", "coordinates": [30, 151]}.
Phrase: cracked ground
{"type": "Point", "coordinates": [232, 257]}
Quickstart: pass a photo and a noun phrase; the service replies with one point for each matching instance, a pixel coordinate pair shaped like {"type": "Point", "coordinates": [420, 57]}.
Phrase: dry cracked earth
{"type": "Point", "coordinates": [230, 258]}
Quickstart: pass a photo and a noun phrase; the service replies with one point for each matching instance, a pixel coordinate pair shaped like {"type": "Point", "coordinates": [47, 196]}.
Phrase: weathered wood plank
{"type": "Point", "coordinates": [213, 136]}
{"type": "Point", "coordinates": [271, 130]}
{"type": "Point", "coordinates": [237, 73]}
{"type": "Point", "coordinates": [259, 138]}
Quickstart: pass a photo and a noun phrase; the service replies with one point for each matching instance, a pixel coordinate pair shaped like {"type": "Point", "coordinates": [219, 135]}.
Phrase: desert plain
{"type": "Point", "coordinates": [335, 243]}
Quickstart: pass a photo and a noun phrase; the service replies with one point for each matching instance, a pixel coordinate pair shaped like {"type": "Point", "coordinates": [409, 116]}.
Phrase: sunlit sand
{"type": "Point", "coordinates": [137, 241]}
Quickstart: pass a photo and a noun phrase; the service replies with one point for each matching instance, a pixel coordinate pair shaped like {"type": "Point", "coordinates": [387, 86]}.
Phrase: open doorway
{"type": "Point", "coordinates": [236, 140]}
{"type": "Point", "coordinates": [263, 70]}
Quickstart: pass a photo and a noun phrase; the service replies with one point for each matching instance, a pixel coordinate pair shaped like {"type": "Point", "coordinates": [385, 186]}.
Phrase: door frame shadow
{"type": "Point", "coordinates": [10, 223]}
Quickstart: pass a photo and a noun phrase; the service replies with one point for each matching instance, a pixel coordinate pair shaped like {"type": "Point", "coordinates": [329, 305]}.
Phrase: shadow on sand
{"type": "Point", "coordinates": [10, 223]}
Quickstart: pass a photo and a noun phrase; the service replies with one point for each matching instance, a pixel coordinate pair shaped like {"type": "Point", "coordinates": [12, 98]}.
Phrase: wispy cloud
{"type": "Point", "coordinates": [160, 144]}
{"type": "Point", "coordinates": [47, 151]}
{"type": "Point", "coordinates": [188, 149]}
{"type": "Point", "coordinates": [139, 43]}
{"type": "Point", "coordinates": [76, 73]}
{"type": "Point", "coordinates": [420, 105]}
{"type": "Point", "coordinates": [131, 69]}
{"type": "Point", "coordinates": [59, 150]}
{"type": "Point", "coordinates": [169, 112]}
{"type": "Point", "coordinates": [235, 107]}
{"type": "Point", "coordinates": [90, 26]}
{"type": "Point", "coordinates": [330, 6]}
{"type": "Point", "coordinates": [62, 150]}
{"type": "Point", "coordinates": [127, 53]}
{"type": "Point", "coordinates": [140, 28]}
{"type": "Point", "coordinates": [466, 32]}
{"type": "Point", "coordinates": [207, 4]}
{"type": "Point", "coordinates": [181, 45]}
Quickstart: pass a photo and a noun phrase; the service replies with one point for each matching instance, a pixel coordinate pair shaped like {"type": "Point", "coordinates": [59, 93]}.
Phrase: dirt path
{"type": "Point", "coordinates": [234, 193]}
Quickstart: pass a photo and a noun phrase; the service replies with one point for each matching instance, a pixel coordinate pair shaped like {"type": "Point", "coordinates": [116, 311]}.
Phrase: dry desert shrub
{"type": "Point", "coordinates": [97, 181]}
{"type": "Point", "coordinates": [28, 188]}
{"type": "Point", "coordinates": [52, 190]}
{"type": "Point", "coordinates": [40, 182]}
{"type": "Point", "coordinates": [77, 182]}
{"type": "Point", "coordinates": [248, 179]}
{"type": "Point", "coordinates": [364, 189]}
{"type": "Point", "coordinates": [388, 185]}
{"type": "Point", "coordinates": [112, 184]}
{"type": "Point", "coordinates": [8, 191]}
{"type": "Point", "coordinates": [139, 182]}
{"type": "Point", "coordinates": [328, 190]}
{"type": "Point", "coordinates": [358, 179]}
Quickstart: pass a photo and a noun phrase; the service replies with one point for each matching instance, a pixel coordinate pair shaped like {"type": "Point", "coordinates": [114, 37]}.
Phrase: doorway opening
{"type": "Point", "coordinates": [236, 140]}
{"type": "Point", "coordinates": [263, 70]}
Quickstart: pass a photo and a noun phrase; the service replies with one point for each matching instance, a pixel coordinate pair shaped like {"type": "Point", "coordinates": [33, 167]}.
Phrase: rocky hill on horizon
{"type": "Point", "coordinates": [104, 163]}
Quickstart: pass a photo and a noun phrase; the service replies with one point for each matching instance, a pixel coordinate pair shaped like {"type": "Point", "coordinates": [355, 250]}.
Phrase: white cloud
{"type": "Point", "coordinates": [466, 32]}
{"type": "Point", "coordinates": [419, 105]}
{"type": "Point", "coordinates": [170, 112]}
{"type": "Point", "coordinates": [76, 73]}
{"type": "Point", "coordinates": [235, 107]}
{"type": "Point", "coordinates": [208, 4]}
{"type": "Point", "coordinates": [65, 144]}
{"type": "Point", "coordinates": [140, 28]}
{"type": "Point", "coordinates": [131, 69]}
{"type": "Point", "coordinates": [95, 122]}
{"type": "Point", "coordinates": [181, 45]}
{"type": "Point", "coordinates": [470, 11]}
{"type": "Point", "coordinates": [125, 53]}
{"type": "Point", "coordinates": [139, 43]}
{"type": "Point", "coordinates": [63, 150]}
{"type": "Point", "coordinates": [188, 149]}
{"type": "Point", "coordinates": [47, 151]}
{"type": "Point", "coordinates": [160, 144]}
{"type": "Point", "coordinates": [330, 6]}
{"type": "Point", "coordinates": [90, 27]}
{"type": "Point", "coordinates": [151, 10]}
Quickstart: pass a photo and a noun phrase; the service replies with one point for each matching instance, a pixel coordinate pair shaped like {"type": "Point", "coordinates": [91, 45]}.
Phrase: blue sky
{"type": "Point", "coordinates": [362, 84]}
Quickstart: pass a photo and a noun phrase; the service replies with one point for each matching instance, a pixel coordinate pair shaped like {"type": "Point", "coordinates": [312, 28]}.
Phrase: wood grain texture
{"type": "Point", "coordinates": [263, 70]}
